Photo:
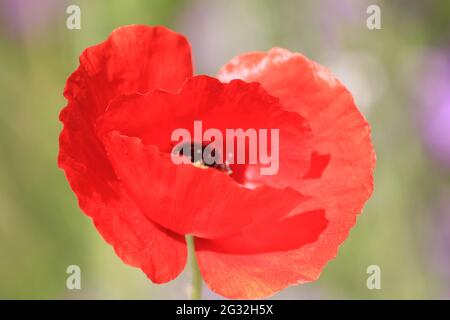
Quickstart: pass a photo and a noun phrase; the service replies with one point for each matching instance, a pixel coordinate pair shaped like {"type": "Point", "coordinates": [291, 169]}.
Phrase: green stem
{"type": "Point", "coordinates": [196, 293]}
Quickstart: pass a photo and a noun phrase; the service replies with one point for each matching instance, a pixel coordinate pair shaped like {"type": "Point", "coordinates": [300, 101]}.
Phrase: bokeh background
{"type": "Point", "coordinates": [400, 77]}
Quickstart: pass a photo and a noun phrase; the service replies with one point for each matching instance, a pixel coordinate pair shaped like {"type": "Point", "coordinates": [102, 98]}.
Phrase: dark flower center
{"type": "Point", "coordinates": [202, 156]}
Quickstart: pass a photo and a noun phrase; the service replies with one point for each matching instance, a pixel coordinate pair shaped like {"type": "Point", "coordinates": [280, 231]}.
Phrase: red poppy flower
{"type": "Point", "coordinates": [254, 234]}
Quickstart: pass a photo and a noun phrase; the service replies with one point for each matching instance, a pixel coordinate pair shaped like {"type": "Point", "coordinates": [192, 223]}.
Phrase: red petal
{"type": "Point", "coordinates": [191, 200]}
{"type": "Point", "coordinates": [184, 198]}
{"type": "Point", "coordinates": [236, 105]}
{"type": "Point", "coordinates": [136, 240]}
{"type": "Point", "coordinates": [262, 262]}
{"type": "Point", "coordinates": [341, 132]}
{"type": "Point", "coordinates": [282, 235]}
{"type": "Point", "coordinates": [133, 58]}
{"type": "Point", "coordinates": [318, 164]}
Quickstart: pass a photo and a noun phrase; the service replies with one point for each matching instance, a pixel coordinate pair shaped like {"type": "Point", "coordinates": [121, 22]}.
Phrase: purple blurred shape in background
{"type": "Point", "coordinates": [435, 99]}
{"type": "Point", "coordinates": [25, 17]}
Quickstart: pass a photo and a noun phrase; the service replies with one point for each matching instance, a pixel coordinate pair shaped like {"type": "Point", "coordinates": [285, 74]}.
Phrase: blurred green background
{"type": "Point", "coordinates": [400, 76]}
